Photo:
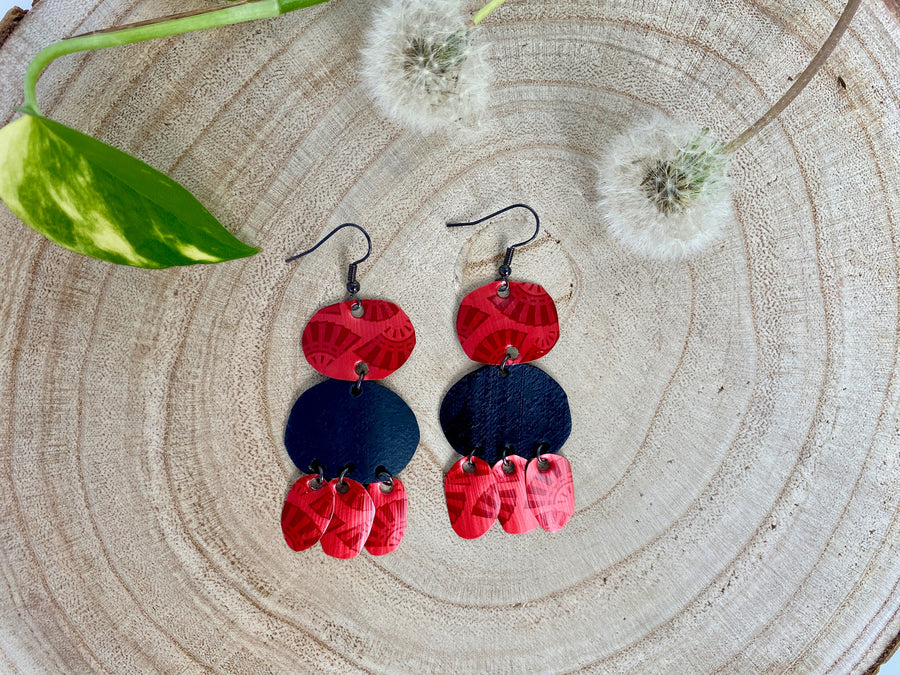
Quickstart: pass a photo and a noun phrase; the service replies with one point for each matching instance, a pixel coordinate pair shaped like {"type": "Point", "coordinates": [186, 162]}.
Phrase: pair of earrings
{"type": "Point", "coordinates": [352, 436]}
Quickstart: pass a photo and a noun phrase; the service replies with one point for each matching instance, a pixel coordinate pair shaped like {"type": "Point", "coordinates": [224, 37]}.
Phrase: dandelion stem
{"type": "Point", "coordinates": [485, 11]}
{"type": "Point", "coordinates": [154, 28]}
{"type": "Point", "coordinates": [800, 84]}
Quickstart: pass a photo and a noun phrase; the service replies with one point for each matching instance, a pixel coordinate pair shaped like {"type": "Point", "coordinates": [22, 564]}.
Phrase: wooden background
{"type": "Point", "coordinates": [735, 418]}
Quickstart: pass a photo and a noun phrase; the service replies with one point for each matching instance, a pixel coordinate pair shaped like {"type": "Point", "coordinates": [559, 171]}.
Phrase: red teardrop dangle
{"type": "Point", "coordinates": [351, 523]}
{"type": "Point", "coordinates": [472, 498]}
{"type": "Point", "coordinates": [551, 493]}
{"type": "Point", "coordinates": [307, 511]}
{"type": "Point", "coordinates": [515, 517]}
{"type": "Point", "coordinates": [389, 525]}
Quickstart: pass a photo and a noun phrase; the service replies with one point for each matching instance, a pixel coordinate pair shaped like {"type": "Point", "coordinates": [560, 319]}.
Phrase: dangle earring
{"type": "Point", "coordinates": [348, 431]}
{"type": "Point", "coordinates": [508, 419]}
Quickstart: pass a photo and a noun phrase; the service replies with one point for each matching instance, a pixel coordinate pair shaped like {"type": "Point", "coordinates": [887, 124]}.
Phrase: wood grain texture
{"type": "Point", "coordinates": [735, 419]}
{"type": "Point", "coordinates": [893, 5]}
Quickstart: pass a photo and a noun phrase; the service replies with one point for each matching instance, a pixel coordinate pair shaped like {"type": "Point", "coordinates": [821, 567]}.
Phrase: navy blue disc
{"type": "Point", "coordinates": [331, 426]}
{"type": "Point", "coordinates": [489, 413]}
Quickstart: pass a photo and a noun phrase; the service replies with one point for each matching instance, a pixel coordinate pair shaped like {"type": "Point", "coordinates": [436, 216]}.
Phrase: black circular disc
{"type": "Point", "coordinates": [331, 426]}
{"type": "Point", "coordinates": [489, 413]}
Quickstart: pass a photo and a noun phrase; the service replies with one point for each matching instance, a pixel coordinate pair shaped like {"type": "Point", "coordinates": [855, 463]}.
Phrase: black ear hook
{"type": "Point", "coordinates": [506, 267]}
{"type": "Point", "coordinates": [352, 283]}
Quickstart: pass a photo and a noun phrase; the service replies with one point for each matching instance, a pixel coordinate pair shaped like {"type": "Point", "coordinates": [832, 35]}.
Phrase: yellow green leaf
{"type": "Point", "coordinates": [102, 202]}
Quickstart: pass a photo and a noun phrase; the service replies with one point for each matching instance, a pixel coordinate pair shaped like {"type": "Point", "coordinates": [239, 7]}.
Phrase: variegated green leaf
{"type": "Point", "coordinates": [99, 201]}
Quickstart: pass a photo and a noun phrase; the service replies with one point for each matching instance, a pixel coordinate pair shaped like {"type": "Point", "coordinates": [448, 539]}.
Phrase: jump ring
{"type": "Point", "coordinates": [543, 464]}
{"type": "Point", "coordinates": [317, 482]}
{"type": "Point", "coordinates": [357, 388]}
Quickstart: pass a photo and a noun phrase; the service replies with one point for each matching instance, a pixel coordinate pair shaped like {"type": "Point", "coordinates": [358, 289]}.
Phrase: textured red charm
{"type": "Point", "coordinates": [352, 520]}
{"type": "Point", "coordinates": [306, 513]}
{"type": "Point", "coordinates": [472, 498]}
{"type": "Point", "coordinates": [390, 517]}
{"type": "Point", "coordinates": [551, 493]}
{"type": "Point", "coordinates": [515, 516]}
{"type": "Point", "coordinates": [488, 324]}
{"type": "Point", "coordinates": [334, 340]}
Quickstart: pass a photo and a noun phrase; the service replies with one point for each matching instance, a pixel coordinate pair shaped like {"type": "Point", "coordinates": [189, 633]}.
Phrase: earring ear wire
{"type": "Point", "coordinates": [506, 268]}
{"type": "Point", "coordinates": [352, 283]}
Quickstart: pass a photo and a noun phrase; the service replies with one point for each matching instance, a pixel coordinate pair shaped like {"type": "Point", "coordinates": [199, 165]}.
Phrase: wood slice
{"type": "Point", "coordinates": [735, 418]}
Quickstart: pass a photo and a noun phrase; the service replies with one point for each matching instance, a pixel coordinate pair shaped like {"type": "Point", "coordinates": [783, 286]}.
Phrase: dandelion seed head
{"type": "Point", "coordinates": [422, 67]}
{"type": "Point", "coordinates": [664, 189]}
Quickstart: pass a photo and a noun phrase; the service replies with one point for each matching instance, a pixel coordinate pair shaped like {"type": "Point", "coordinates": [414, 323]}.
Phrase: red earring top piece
{"type": "Point", "coordinates": [335, 340]}
{"type": "Point", "coordinates": [488, 324]}
{"type": "Point", "coordinates": [506, 314]}
{"type": "Point", "coordinates": [357, 339]}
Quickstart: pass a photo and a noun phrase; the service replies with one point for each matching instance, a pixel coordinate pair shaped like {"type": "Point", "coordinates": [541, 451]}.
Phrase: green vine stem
{"type": "Point", "coordinates": [485, 11]}
{"type": "Point", "coordinates": [147, 30]}
{"type": "Point", "coordinates": [802, 80]}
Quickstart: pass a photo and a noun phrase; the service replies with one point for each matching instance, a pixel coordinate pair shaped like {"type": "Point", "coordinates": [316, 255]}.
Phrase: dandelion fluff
{"type": "Point", "coordinates": [421, 66]}
{"type": "Point", "coordinates": [664, 189]}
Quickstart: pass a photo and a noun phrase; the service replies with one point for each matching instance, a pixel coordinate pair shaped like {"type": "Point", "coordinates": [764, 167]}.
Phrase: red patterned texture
{"type": "Point", "coordinates": [306, 513]}
{"type": "Point", "coordinates": [390, 518]}
{"type": "Point", "coordinates": [334, 340]}
{"type": "Point", "coordinates": [515, 516]}
{"type": "Point", "coordinates": [487, 324]}
{"type": "Point", "coordinates": [551, 493]}
{"type": "Point", "coordinates": [349, 528]}
{"type": "Point", "coordinates": [472, 498]}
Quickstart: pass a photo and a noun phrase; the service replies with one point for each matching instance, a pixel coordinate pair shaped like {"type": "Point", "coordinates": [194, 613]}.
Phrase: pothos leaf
{"type": "Point", "coordinates": [99, 201]}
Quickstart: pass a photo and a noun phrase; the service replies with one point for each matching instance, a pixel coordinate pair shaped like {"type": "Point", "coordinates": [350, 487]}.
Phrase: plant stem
{"type": "Point", "coordinates": [147, 30]}
{"type": "Point", "coordinates": [485, 11]}
{"type": "Point", "coordinates": [800, 84]}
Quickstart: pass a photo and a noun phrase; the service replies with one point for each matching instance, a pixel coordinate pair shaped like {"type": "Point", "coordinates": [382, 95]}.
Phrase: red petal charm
{"type": "Point", "coordinates": [351, 522]}
{"type": "Point", "coordinates": [551, 494]}
{"type": "Point", "coordinates": [472, 498]}
{"type": "Point", "coordinates": [390, 518]}
{"type": "Point", "coordinates": [515, 517]}
{"type": "Point", "coordinates": [488, 324]}
{"type": "Point", "coordinates": [334, 340]}
{"type": "Point", "coordinates": [306, 513]}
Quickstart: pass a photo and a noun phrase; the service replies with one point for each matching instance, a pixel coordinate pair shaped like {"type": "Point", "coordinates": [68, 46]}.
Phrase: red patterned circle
{"type": "Point", "coordinates": [488, 324]}
{"type": "Point", "coordinates": [334, 340]}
